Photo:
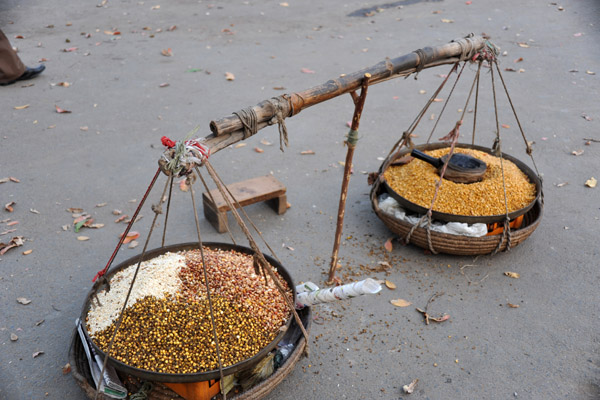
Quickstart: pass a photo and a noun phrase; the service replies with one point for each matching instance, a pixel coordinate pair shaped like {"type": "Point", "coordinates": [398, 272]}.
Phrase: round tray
{"type": "Point", "coordinates": [458, 244]}
{"type": "Point", "coordinates": [198, 376]}
{"type": "Point", "coordinates": [81, 372]}
{"type": "Point", "coordinates": [487, 219]}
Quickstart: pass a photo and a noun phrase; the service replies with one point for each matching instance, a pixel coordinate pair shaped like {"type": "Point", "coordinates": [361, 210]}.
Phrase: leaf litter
{"type": "Point", "coordinates": [14, 242]}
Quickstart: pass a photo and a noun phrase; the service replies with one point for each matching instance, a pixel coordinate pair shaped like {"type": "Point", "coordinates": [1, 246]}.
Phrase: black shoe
{"type": "Point", "coordinates": [29, 73]}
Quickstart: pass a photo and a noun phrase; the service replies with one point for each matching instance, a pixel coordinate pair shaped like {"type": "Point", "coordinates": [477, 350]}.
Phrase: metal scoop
{"type": "Point", "coordinates": [462, 168]}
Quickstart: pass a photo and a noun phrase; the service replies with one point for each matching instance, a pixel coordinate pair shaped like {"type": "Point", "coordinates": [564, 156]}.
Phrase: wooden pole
{"type": "Point", "coordinates": [230, 129]}
{"type": "Point", "coordinates": [359, 102]}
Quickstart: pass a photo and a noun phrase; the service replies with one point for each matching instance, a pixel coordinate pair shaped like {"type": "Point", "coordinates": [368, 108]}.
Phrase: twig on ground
{"type": "Point", "coordinates": [428, 317]}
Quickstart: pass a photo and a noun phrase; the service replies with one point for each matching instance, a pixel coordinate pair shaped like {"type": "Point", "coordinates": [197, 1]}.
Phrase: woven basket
{"type": "Point", "coordinates": [457, 244]}
{"type": "Point", "coordinates": [81, 372]}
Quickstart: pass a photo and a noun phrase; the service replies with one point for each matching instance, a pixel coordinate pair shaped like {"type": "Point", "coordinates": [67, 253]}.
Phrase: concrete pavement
{"type": "Point", "coordinates": [105, 151]}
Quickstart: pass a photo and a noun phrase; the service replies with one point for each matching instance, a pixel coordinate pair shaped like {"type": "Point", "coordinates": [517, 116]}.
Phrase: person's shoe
{"type": "Point", "coordinates": [29, 73]}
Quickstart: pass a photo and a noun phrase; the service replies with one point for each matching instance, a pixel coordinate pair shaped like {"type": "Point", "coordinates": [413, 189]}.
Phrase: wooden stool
{"type": "Point", "coordinates": [246, 192]}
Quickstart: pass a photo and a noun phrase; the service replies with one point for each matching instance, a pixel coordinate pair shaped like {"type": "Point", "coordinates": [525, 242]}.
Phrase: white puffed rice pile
{"type": "Point", "coordinates": [147, 283]}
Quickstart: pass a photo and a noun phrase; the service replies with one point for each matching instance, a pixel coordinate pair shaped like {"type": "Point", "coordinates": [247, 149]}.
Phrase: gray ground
{"type": "Point", "coordinates": [106, 151]}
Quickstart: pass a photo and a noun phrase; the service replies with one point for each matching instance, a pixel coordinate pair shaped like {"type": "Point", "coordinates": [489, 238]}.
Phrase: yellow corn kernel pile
{"type": "Point", "coordinates": [416, 182]}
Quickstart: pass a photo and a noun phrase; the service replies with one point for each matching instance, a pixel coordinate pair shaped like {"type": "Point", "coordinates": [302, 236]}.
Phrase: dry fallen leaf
{"type": "Point", "coordinates": [229, 76]}
{"type": "Point", "coordinates": [117, 212]}
{"type": "Point", "coordinates": [133, 244]}
{"type": "Point", "coordinates": [505, 126]}
{"type": "Point", "coordinates": [307, 152]}
{"type": "Point", "coordinates": [400, 303]}
{"type": "Point", "coordinates": [388, 244]}
{"type": "Point", "coordinates": [130, 236]}
{"type": "Point", "coordinates": [33, 210]}
{"type": "Point", "coordinates": [22, 107]}
{"type": "Point", "coordinates": [577, 152]}
{"type": "Point", "coordinates": [82, 238]}
{"type": "Point", "coordinates": [437, 100]}
{"type": "Point", "coordinates": [514, 275]}
{"type": "Point", "coordinates": [13, 337]}
{"type": "Point", "coordinates": [266, 142]}
{"type": "Point", "coordinates": [9, 206]}
{"type": "Point", "coordinates": [163, 84]}
{"type": "Point", "coordinates": [101, 205]}
{"type": "Point", "coordinates": [14, 242]}
{"type": "Point", "coordinates": [390, 285]}
{"type": "Point", "coordinates": [258, 150]}
{"type": "Point", "coordinates": [75, 210]}
{"type": "Point", "coordinates": [61, 111]}
{"type": "Point", "coordinates": [37, 353]}
{"type": "Point", "coordinates": [523, 44]}
{"type": "Point", "coordinates": [512, 305]}
{"type": "Point", "coordinates": [27, 252]}
{"type": "Point", "coordinates": [237, 146]}
{"type": "Point", "coordinates": [69, 50]}
{"type": "Point", "coordinates": [408, 389]}
{"type": "Point", "coordinates": [23, 300]}
{"type": "Point", "coordinates": [167, 52]}
{"type": "Point", "coordinates": [591, 183]}
{"type": "Point", "coordinates": [562, 184]}
{"type": "Point", "coordinates": [121, 218]}
{"type": "Point", "coordinates": [13, 179]}
{"type": "Point", "coordinates": [307, 71]}
{"type": "Point", "coordinates": [66, 369]}
{"type": "Point", "coordinates": [447, 21]}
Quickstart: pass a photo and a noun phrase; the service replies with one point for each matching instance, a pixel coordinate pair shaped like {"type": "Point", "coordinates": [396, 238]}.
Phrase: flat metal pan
{"type": "Point", "coordinates": [199, 376]}
{"type": "Point", "coordinates": [487, 219]}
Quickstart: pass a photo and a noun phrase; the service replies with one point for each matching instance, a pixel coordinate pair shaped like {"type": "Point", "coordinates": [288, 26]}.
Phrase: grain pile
{"type": "Point", "coordinates": [147, 283]}
{"type": "Point", "coordinates": [167, 327]}
{"type": "Point", "coordinates": [231, 275]}
{"type": "Point", "coordinates": [416, 182]}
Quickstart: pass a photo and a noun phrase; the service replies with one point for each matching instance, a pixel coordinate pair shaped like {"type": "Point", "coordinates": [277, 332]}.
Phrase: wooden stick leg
{"type": "Point", "coordinates": [279, 204]}
{"type": "Point", "coordinates": [216, 218]}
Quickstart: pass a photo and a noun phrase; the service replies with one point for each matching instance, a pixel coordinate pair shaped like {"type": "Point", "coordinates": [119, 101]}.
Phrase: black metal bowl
{"type": "Point", "coordinates": [486, 219]}
{"type": "Point", "coordinates": [198, 376]}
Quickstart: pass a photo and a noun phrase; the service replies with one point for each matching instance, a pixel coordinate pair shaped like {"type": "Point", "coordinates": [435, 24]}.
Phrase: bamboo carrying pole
{"type": "Point", "coordinates": [231, 129]}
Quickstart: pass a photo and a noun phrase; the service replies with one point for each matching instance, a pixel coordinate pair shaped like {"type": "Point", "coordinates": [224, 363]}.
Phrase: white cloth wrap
{"type": "Point", "coordinates": [390, 206]}
{"type": "Point", "coordinates": [367, 286]}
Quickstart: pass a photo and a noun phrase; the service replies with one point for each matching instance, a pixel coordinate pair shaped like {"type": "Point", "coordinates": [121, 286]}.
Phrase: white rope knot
{"type": "Point", "coordinates": [184, 156]}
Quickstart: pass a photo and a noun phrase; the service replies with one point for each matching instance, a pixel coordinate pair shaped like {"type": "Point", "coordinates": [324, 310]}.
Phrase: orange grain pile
{"type": "Point", "coordinates": [416, 182]}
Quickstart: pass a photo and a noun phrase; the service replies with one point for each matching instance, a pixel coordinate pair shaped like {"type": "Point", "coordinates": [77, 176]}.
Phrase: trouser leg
{"type": "Point", "coordinates": [11, 66]}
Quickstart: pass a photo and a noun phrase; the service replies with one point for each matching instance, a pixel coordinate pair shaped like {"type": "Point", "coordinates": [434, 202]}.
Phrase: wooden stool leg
{"type": "Point", "coordinates": [217, 219]}
{"type": "Point", "coordinates": [279, 204]}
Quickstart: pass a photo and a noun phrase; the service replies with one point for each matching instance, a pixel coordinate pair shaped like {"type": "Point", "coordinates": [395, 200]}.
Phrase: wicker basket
{"type": "Point", "coordinates": [81, 372]}
{"type": "Point", "coordinates": [456, 244]}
